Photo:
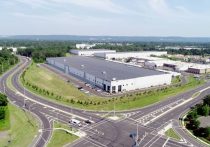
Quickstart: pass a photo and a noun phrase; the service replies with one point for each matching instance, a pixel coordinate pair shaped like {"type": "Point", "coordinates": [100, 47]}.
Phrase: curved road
{"type": "Point", "coordinates": [104, 132]}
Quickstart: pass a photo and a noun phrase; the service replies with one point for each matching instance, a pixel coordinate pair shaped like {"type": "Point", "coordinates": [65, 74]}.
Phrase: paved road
{"type": "Point", "coordinates": [103, 132]}
{"type": "Point", "coordinates": [45, 130]}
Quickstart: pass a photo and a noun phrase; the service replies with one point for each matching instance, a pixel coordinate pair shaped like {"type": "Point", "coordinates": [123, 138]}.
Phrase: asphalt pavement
{"type": "Point", "coordinates": [148, 121]}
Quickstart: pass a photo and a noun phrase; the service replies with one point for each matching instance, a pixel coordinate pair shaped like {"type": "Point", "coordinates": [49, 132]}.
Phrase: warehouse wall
{"type": "Point", "coordinates": [143, 82]}
{"type": "Point", "coordinates": [133, 54]}
{"type": "Point", "coordinates": [90, 52]}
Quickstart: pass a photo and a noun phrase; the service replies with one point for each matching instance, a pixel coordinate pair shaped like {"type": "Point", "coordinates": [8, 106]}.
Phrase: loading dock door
{"type": "Point", "coordinates": [104, 87]}
{"type": "Point", "coordinates": [108, 88]}
{"type": "Point", "coordinates": [119, 88]}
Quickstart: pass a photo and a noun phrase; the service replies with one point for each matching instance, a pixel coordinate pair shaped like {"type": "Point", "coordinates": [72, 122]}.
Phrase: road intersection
{"type": "Point", "coordinates": [103, 132]}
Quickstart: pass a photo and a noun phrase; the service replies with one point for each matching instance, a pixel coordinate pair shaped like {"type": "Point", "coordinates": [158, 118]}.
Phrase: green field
{"type": "Point", "coordinates": [22, 128]}
{"type": "Point", "coordinates": [172, 134]}
{"type": "Point", "coordinates": [61, 137]}
{"type": "Point", "coordinates": [38, 79]}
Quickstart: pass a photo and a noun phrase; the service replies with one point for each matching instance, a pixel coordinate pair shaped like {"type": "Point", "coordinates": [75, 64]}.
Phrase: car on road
{"type": "Point", "coordinates": [75, 122]}
{"type": "Point", "coordinates": [87, 122]}
{"type": "Point", "coordinates": [86, 84]}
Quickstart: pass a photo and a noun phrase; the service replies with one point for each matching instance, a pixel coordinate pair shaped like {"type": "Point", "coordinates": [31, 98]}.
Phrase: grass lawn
{"type": "Point", "coordinates": [61, 137]}
{"type": "Point", "coordinates": [9, 83]}
{"type": "Point", "coordinates": [51, 82]}
{"type": "Point", "coordinates": [171, 133]}
{"type": "Point", "coordinates": [176, 80]}
{"type": "Point", "coordinates": [22, 130]}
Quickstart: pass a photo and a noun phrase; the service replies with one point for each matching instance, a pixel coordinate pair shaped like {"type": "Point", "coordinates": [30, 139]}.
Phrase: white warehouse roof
{"type": "Point", "coordinates": [104, 69]}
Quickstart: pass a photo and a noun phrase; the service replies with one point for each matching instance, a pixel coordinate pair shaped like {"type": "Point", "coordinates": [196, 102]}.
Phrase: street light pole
{"type": "Point", "coordinates": [114, 106]}
{"type": "Point", "coordinates": [2, 67]}
{"type": "Point", "coordinates": [4, 88]}
{"type": "Point", "coordinates": [137, 134]}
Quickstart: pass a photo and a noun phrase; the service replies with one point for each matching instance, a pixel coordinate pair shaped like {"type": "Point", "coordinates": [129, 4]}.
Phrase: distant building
{"type": "Point", "coordinates": [14, 49]}
{"type": "Point", "coordinates": [90, 52]}
{"type": "Point", "coordinates": [84, 46]}
{"type": "Point", "coordinates": [199, 69]}
{"type": "Point", "coordinates": [121, 55]}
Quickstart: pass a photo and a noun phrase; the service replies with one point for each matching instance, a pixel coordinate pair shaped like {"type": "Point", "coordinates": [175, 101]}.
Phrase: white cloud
{"type": "Point", "coordinates": [104, 5]}
{"type": "Point", "coordinates": [159, 6]}
{"type": "Point", "coordinates": [162, 8]}
{"type": "Point", "coordinates": [99, 5]}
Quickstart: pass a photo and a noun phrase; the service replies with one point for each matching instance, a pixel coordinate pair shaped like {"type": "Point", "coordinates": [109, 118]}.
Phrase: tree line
{"type": "Point", "coordinates": [40, 54]}
{"type": "Point", "coordinates": [7, 59]}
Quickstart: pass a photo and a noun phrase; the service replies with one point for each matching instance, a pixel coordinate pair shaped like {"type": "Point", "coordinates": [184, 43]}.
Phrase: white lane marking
{"type": "Point", "coordinates": [155, 140]}
{"type": "Point", "coordinates": [186, 101]}
{"type": "Point", "coordinates": [150, 140]}
{"type": "Point", "coordinates": [45, 105]}
{"type": "Point", "coordinates": [165, 142]}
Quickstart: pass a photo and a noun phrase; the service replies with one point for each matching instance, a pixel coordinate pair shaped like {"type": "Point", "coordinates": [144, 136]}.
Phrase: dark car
{"type": "Point", "coordinates": [87, 122]}
{"type": "Point", "coordinates": [80, 88]}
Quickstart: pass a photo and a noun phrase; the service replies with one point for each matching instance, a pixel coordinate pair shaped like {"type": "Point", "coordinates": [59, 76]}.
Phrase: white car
{"type": "Point", "coordinates": [86, 92]}
{"type": "Point", "coordinates": [98, 90]}
{"type": "Point", "coordinates": [75, 122]}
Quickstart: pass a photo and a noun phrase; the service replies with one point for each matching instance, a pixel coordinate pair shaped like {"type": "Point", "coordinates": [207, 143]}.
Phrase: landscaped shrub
{"type": "Point", "coordinates": [3, 100]}
{"type": "Point", "coordinates": [2, 113]}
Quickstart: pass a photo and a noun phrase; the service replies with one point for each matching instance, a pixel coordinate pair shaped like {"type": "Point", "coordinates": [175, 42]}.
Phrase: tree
{"type": "Point", "coordinates": [194, 124]}
{"type": "Point", "coordinates": [206, 100]}
{"type": "Point", "coordinates": [202, 132]}
{"type": "Point", "coordinates": [3, 100]}
{"type": "Point", "coordinates": [2, 113]}
{"type": "Point", "coordinates": [205, 110]}
{"type": "Point", "coordinates": [192, 115]}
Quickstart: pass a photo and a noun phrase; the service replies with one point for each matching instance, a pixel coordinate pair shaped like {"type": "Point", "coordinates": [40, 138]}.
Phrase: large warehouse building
{"type": "Point", "coordinates": [110, 76]}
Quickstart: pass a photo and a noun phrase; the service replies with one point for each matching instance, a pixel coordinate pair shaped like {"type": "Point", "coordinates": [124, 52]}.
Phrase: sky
{"type": "Point", "coordinates": [187, 18]}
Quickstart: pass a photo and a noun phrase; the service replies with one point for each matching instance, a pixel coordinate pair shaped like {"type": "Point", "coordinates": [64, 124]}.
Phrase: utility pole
{"type": "Point", "coordinates": [2, 67]}
{"type": "Point", "coordinates": [137, 134]}
{"type": "Point", "coordinates": [114, 106]}
{"type": "Point", "coordinates": [4, 88]}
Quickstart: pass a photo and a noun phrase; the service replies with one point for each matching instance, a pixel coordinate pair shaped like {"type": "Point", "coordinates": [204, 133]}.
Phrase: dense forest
{"type": "Point", "coordinates": [40, 50]}
{"type": "Point", "coordinates": [40, 54]}
{"type": "Point", "coordinates": [7, 59]}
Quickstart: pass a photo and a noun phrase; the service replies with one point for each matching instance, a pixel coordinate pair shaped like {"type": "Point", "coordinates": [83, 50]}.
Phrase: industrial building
{"type": "Point", "coordinates": [121, 55]}
{"type": "Point", "coordinates": [202, 69]}
{"type": "Point", "coordinates": [90, 52]}
{"type": "Point", "coordinates": [110, 76]}
{"type": "Point", "coordinates": [84, 46]}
